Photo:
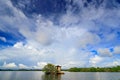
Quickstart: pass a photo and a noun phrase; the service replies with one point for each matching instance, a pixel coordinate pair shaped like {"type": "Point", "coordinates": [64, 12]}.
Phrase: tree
{"type": "Point", "coordinates": [50, 68]}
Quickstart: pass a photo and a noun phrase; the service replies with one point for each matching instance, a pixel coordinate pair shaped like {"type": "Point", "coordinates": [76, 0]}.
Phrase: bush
{"type": "Point", "coordinates": [50, 68]}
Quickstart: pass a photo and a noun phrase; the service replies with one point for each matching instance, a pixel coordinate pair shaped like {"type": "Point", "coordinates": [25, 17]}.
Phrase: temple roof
{"type": "Point", "coordinates": [58, 66]}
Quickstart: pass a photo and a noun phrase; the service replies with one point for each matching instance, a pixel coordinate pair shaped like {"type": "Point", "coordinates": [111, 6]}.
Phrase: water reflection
{"type": "Point", "coordinates": [51, 77]}
{"type": "Point", "coordinates": [38, 75]}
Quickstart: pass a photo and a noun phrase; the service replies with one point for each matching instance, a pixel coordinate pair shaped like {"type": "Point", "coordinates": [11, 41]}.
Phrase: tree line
{"type": "Point", "coordinates": [97, 69]}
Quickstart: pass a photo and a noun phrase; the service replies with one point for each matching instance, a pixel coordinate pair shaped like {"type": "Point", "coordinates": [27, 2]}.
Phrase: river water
{"type": "Point", "coordinates": [39, 75]}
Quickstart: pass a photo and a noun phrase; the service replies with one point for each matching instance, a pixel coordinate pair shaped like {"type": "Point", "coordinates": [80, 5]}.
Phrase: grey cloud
{"type": "Point", "coordinates": [117, 50]}
{"type": "Point", "coordinates": [3, 39]}
{"type": "Point", "coordinates": [105, 52]}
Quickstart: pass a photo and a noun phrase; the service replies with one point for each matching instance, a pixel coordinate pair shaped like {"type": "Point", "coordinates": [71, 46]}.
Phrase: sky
{"type": "Point", "coordinates": [70, 33]}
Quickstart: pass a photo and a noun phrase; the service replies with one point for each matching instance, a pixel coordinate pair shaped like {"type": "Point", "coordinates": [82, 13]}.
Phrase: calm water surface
{"type": "Point", "coordinates": [38, 75]}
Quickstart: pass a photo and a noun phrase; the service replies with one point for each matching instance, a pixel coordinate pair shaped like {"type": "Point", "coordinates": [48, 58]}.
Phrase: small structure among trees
{"type": "Point", "coordinates": [52, 69]}
{"type": "Point", "coordinates": [59, 70]}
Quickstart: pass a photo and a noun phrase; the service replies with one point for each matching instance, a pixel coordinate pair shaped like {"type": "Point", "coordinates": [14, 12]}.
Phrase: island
{"type": "Point", "coordinates": [52, 69]}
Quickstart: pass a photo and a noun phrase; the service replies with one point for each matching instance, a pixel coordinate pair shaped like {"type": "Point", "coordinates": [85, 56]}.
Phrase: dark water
{"type": "Point", "coordinates": [38, 75]}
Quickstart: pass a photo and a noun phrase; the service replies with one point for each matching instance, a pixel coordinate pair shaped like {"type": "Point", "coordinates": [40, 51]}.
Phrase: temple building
{"type": "Point", "coordinates": [59, 70]}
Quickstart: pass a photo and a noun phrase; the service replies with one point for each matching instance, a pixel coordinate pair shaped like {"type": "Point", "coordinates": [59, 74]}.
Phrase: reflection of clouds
{"type": "Point", "coordinates": [8, 75]}
{"type": "Point", "coordinates": [97, 76]}
{"type": "Point", "coordinates": [51, 77]}
{"type": "Point", "coordinates": [5, 74]}
{"type": "Point", "coordinates": [38, 75]}
{"type": "Point", "coordinates": [21, 75]}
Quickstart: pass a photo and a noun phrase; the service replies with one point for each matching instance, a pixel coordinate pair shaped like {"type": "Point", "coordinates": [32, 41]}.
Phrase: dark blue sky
{"type": "Point", "coordinates": [59, 7]}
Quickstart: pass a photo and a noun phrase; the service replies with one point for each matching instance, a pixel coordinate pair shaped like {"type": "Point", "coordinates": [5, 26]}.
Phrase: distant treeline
{"type": "Point", "coordinates": [20, 70]}
{"type": "Point", "coordinates": [75, 69]}
{"type": "Point", "coordinates": [93, 69]}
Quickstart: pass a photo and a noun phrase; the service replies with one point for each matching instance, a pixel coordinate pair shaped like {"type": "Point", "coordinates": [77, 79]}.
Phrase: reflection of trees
{"type": "Point", "coordinates": [51, 77]}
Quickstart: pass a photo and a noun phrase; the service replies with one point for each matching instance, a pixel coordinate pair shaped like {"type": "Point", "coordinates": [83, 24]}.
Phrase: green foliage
{"type": "Point", "coordinates": [93, 69]}
{"type": "Point", "coordinates": [75, 69]}
{"type": "Point", "coordinates": [50, 68]}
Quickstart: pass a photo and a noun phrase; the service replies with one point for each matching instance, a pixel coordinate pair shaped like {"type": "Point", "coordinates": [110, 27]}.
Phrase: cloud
{"type": "Point", "coordinates": [105, 52]}
{"type": "Point", "coordinates": [45, 32]}
{"type": "Point", "coordinates": [112, 63]}
{"type": "Point", "coordinates": [81, 63]}
{"type": "Point", "coordinates": [18, 45]}
{"type": "Point", "coordinates": [22, 66]}
{"type": "Point", "coordinates": [42, 56]}
{"type": "Point", "coordinates": [40, 65]}
{"type": "Point", "coordinates": [95, 60]}
{"type": "Point", "coordinates": [19, 52]}
{"type": "Point", "coordinates": [72, 64]}
{"type": "Point", "coordinates": [12, 65]}
{"type": "Point", "coordinates": [2, 57]}
{"type": "Point", "coordinates": [117, 50]}
{"type": "Point", "coordinates": [3, 39]}
{"type": "Point", "coordinates": [9, 65]}
{"type": "Point", "coordinates": [116, 63]}
{"type": "Point", "coordinates": [33, 54]}
{"type": "Point", "coordinates": [67, 43]}
{"type": "Point", "coordinates": [88, 39]}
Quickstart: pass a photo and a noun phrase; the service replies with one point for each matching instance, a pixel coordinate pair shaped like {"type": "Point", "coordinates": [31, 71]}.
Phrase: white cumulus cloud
{"type": "Point", "coordinates": [22, 66]}
{"type": "Point", "coordinates": [95, 60]}
{"type": "Point", "coordinates": [9, 65]}
{"type": "Point", "coordinates": [40, 65]}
